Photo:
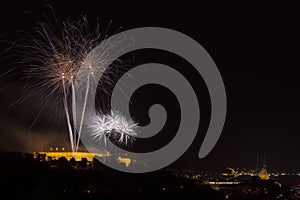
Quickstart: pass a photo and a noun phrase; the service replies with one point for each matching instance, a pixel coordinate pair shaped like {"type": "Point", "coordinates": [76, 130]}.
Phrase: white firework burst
{"type": "Point", "coordinates": [113, 126]}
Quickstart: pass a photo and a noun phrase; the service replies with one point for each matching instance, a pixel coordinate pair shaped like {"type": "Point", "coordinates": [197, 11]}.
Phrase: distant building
{"type": "Point", "coordinates": [126, 161]}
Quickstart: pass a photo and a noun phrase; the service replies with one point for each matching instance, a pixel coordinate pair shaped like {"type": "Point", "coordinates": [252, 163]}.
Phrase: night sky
{"type": "Point", "coordinates": [254, 46]}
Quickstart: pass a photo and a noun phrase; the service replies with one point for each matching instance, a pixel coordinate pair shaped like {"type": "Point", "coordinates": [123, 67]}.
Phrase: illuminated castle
{"type": "Point", "coordinates": [56, 153]}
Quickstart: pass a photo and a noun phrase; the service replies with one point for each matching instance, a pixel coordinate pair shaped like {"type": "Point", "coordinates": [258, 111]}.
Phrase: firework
{"type": "Point", "coordinates": [113, 126]}
{"type": "Point", "coordinates": [58, 60]}
{"type": "Point", "coordinates": [51, 58]}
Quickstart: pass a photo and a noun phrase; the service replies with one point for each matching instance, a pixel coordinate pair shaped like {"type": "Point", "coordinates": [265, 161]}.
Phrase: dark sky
{"type": "Point", "coordinates": [254, 46]}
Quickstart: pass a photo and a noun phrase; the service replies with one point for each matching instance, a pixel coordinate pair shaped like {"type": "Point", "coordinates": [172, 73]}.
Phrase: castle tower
{"type": "Point", "coordinates": [263, 174]}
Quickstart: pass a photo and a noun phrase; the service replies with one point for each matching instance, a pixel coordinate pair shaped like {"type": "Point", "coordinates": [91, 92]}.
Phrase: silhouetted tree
{"type": "Point", "coordinates": [97, 165]}
{"type": "Point", "coordinates": [83, 163]}
{"type": "Point", "coordinates": [62, 163]}
{"type": "Point", "coordinates": [41, 157]}
{"type": "Point", "coordinates": [73, 162]}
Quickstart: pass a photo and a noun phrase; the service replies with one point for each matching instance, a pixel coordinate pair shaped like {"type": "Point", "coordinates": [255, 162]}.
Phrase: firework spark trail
{"type": "Point", "coordinates": [74, 112]}
{"type": "Point", "coordinates": [83, 110]}
{"type": "Point", "coordinates": [96, 64]}
{"type": "Point", "coordinates": [68, 116]}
